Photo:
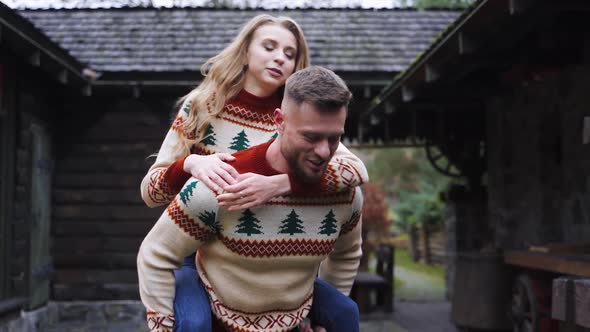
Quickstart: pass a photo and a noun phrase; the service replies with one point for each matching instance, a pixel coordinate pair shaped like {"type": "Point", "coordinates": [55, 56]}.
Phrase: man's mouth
{"type": "Point", "coordinates": [316, 165]}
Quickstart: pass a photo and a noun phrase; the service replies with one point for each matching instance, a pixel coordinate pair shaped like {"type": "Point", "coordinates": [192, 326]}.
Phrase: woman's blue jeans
{"type": "Point", "coordinates": [331, 309]}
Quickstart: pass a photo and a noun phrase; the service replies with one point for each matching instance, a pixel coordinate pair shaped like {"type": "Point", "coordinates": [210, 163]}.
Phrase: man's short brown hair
{"type": "Point", "coordinates": [318, 86]}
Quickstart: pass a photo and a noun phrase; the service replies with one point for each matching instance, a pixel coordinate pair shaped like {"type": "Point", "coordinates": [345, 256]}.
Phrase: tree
{"type": "Point", "coordinates": [209, 219]}
{"type": "Point", "coordinates": [292, 224]}
{"type": "Point", "coordinates": [240, 141]}
{"type": "Point", "coordinates": [187, 192]}
{"type": "Point", "coordinates": [329, 224]}
{"type": "Point", "coordinates": [209, 137]}
{"type": "Point", "coordinates": [249, 224]}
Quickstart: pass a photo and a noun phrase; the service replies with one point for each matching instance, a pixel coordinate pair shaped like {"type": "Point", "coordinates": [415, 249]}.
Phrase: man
{"type": "Point", "coordinates": [259, 265]}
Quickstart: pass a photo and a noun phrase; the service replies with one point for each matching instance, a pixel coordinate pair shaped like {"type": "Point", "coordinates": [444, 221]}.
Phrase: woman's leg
{"type": "Point", "coordinates": [192, 311]}
{"type": "Point", "coordinates": [333, 310]}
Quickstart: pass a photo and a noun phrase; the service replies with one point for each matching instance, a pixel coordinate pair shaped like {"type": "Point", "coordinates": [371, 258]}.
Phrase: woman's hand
{"type": "Point", "coordinates": [252, 190]}
{"type": "Point", "coordinates": [213, 170]}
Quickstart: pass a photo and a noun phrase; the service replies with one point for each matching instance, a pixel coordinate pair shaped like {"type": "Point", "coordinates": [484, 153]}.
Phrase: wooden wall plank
{"type": "Point", "coordinates": [101, 228]}
{"type": "Point", "coordinates": [96, 291]}
{"type": "Point", "coordinates": [107, 261]}
{"type": "Point", "coordinates": [93, 196]}
{"type": "Point", "coordinates": [99, 180]}
{"type": "Point", "coordinates": [80, 245]}
{"type": "Point", "coordinates": [105, 212]}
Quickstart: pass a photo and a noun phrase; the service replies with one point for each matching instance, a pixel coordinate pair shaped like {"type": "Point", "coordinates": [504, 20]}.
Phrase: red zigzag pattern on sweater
{"type": "Point", "coordinates": [186, 223]}
{"type": "Point", "coordinates": [274, 248]}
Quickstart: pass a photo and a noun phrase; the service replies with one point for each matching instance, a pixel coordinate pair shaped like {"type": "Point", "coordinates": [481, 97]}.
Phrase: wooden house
{"type": "Point", "coordinates": [35, 76]}
{"type": "Point", "coordinates": [110, 104]}
{"type": "Point", "coordinates": [503, 94]}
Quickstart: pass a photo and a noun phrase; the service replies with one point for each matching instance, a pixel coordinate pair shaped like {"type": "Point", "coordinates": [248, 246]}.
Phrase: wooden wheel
{"type": "Point", "coordinates": [525, 313]}
{"type": "Point", "coordinates": [440, 162]}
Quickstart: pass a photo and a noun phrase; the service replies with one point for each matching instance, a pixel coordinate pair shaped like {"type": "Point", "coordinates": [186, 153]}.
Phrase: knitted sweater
{"type": "Point", "coordinates": [246, 120]}
{"type": "Point", "coordinates": [258, 265]}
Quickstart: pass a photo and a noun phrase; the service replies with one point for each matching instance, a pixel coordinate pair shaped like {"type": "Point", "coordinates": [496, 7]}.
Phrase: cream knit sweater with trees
{"type": "Point", "coordinates": [258, 265]}
{"type": "Point", "coordinates": [246, 120]}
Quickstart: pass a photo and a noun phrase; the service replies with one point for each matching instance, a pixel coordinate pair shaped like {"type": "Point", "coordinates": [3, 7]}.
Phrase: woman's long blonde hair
{"type": "Point", "coordinates": [224, 75]}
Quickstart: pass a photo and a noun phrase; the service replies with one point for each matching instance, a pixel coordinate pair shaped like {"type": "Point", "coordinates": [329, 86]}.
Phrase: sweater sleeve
{"type": "Point", "coordinates": [341, 265]}
{"type": "Point", "coordinates": [345, 171]}
{"type": "Point", "coordinates": [185, 225]}
{"type": "Point", "coordinates": [166, 176]}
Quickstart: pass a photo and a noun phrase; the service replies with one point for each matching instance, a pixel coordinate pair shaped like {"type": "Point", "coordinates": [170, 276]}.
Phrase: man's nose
{"type": "Point", "coordinates": [322, 149]}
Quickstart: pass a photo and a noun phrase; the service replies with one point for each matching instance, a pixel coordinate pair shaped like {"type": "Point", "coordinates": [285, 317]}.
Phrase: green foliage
{"type": "Point", "coordinates": [240, 141]}
{"type": "Point", "coordinates": [329, 224]}
{"type": "Point", "coordinates": [292, 224]}
{"type": "Point", "coordinates": [209, 218]}
{"type": "Point", "coordinates": [187, 192]}
{"type": "Point", "coordinates": [209, 137]}
{"type": "Point", "coordinates": [408, 176]}
{"type": "Point", "coordinates": [249, 224]}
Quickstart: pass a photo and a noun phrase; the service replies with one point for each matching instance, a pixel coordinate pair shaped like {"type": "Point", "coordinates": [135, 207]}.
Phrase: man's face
{"type": "Point", "coordinates": [309, 138]}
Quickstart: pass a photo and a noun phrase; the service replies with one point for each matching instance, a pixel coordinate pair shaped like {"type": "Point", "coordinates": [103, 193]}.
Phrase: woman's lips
{"type": "Point", "coordinates": [275, 72]}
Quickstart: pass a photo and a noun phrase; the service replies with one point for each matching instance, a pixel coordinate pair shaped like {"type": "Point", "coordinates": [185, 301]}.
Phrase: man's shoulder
{"type": "Point", "coordinates": [253, 160]}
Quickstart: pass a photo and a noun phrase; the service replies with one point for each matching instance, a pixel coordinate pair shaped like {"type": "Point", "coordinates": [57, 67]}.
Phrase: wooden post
{"type": "Point", "coordinates": [425, 242]}
{"type": "Point", "coordinates": [414, 243]}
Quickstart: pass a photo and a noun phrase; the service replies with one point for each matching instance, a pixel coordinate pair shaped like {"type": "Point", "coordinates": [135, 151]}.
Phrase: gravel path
{"type": "Point", "coordinates": [418, 286]}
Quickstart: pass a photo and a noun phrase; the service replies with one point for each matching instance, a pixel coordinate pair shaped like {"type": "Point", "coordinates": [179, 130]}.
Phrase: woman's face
{"type": "Point", "coordinates": [271, 59]}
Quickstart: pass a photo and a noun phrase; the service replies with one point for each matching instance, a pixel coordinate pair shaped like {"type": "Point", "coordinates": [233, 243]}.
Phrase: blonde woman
{"type": "Point", "coordinates": [231, 110]}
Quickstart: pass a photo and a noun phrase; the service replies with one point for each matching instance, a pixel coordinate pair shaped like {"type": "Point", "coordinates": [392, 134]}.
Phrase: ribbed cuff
{"type": "Point", "coordinates": [175, 175]}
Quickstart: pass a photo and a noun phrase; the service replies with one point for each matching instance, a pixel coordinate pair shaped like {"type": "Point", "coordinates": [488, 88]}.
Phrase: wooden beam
{"type": "Point", "coordinates": [408, 94]}
{"type": "Point", "coordinates": [466, 45]}
{"type": "Point", "coordinates": [432, 74]}
{"type": "Point", "coordinates": [136, 92]}
{"type": "Point", "coordinates": [35, 58]}
{"type": "Point", "coordinates": [517, 7]}
{"type": "Point", "coordinates": [367, 92]}
{"type": "Point", "coordinates": [62, 76]}
{"type": "Point", "coordinates": [87, 90]}
{"type": "Point", "coordinates": [548, 262]}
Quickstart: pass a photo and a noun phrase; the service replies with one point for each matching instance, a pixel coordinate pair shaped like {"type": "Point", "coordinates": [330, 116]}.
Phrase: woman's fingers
{"type": "Point", "coordinates": [231, 171]}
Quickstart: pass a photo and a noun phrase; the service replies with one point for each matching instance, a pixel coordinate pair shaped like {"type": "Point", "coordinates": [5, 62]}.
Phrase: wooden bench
{"type": "Point", "coordinates": [376, 286]}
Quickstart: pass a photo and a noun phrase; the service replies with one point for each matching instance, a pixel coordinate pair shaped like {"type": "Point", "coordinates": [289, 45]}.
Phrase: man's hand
{"type": "Point", "coordinates": [213, 170]}
{"type": "Point", "coordinates": [305, 326]}
{"type": "Point", "coordinates": [252, 190]}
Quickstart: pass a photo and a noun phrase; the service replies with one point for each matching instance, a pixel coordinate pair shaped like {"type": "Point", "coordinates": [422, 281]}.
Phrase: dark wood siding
{"type": "Point", "coordinates": [99, 218]}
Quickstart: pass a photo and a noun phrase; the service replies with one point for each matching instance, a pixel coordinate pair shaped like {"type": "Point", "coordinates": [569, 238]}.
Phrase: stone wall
{"type": "Point", "coordinates": [538, 166]}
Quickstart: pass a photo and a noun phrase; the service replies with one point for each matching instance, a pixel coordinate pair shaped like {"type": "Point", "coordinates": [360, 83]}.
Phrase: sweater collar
{"type": "Point", "coordinates": [271, 102]}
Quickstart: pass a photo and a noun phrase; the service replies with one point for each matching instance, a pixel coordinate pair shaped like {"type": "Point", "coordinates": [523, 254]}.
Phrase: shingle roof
{"type": "Point", "coordinates": [181, 39]}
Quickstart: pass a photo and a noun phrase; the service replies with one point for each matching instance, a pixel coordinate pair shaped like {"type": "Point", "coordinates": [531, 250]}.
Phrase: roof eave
{"type": "Point", "coordinates": [24, 39]}
{"type": "Point", "coordinates": [458, 39]}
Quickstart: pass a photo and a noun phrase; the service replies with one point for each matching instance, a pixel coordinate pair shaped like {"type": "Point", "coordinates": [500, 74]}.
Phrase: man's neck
{"type": "Point", "coordinates": [275, 158]}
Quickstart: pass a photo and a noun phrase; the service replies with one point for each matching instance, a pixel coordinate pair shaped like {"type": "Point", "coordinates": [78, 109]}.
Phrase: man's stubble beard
{"type": "Point", "coordinates": [297, 169]}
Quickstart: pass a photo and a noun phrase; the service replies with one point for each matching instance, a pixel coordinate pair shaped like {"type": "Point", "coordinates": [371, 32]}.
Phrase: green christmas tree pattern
{"type": "Point", "coordinates": [249, 224]}
{"type": "Point", "coordinates": [274, 136]}
{"type": "Point", "coordinates": [208, 218]}
{"type": "Point", "coordinates": [329, 224]}
{"type": "Point", "coordinates": [291, 225]}
{"type": "Point", "coordinates": [187, 108]}
{"type": "Point", "coordinates": [209, 137]}
{"type": "Point", "coordinates": [240, 141]}
{"type": "Point", "coordinates": [187, 192]}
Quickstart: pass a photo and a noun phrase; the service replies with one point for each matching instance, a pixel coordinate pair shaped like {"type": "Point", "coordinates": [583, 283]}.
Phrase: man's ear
{"type": "Point", "coordinates": [279, 116]}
